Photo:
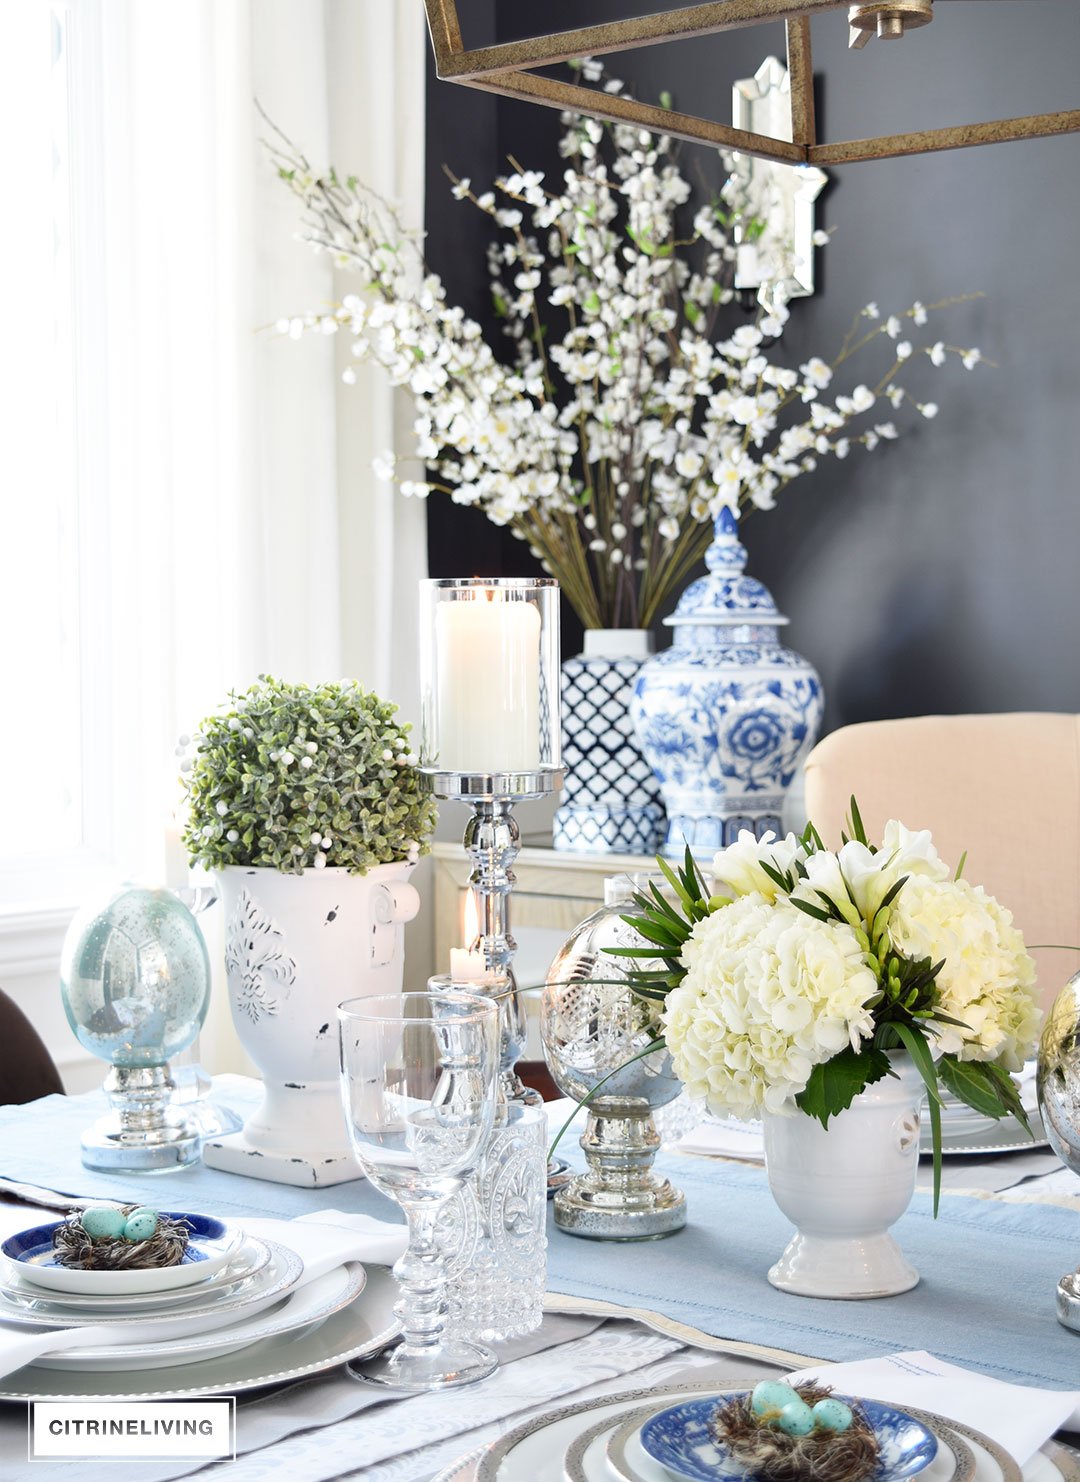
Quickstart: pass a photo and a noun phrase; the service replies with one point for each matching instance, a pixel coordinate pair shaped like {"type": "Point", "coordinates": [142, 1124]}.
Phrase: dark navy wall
{"type": "Point", "coordinates": [942, 572]}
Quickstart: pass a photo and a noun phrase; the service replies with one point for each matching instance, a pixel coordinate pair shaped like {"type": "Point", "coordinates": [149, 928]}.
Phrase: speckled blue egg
{"type": "Point", "coordinates": [141, 1224]}
{"type": "Point", "coordinates": [832, 1415]}
{"type": "Point", "coordinates": [770, 1397]}
{"type": "Point", "coordinates": [795, 1419]}
{"type": "Point", "coordinates": [102, 1222]}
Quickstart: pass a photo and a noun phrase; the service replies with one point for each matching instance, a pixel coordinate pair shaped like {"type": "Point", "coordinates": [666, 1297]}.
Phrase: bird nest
{"type": "Point", "coordinates": [822, 1456]}
{"type": "Point", "coordinates": [72, 1246]}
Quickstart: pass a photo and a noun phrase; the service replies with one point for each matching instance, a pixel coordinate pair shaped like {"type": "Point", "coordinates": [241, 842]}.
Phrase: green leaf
{"type": "Point", "coordinates": [1001, 1085]}
{"type": "Point", "coordinates": [664, 904]}
{"type": "Point", "coordinates": [654, 931]}
{"type": "Point", "coordinates": [675, 883]}
{"type": "Point", "coordinates": [832, 1087]}
{"type": "Point", "coordinates": [960, 866]}
{"type": "Point", "coordinates": [915, 1044]}
{"type": "Point", "coordinates": [809, 910]}
{"type": "Point", "coordinates": [666, 100]}
{"type": "Point", "coordinates": [782, 882]}
{"type": "Point", "coordinates": [857, 823]}
{"type": "Point", "coordinates": [967, 1080]}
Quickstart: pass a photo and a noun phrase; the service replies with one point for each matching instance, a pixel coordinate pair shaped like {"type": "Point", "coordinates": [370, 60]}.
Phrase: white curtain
{"type": "Point", "coordinates": [238, 455]}
{"type": "Point", "coordinates": [229, 522]}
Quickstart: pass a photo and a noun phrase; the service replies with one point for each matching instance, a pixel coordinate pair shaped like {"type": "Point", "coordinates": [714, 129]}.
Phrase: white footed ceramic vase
{"type": "Point", "coordinates": [295, 947]}
{"type": "Point", "coordinates": [844, 1186]}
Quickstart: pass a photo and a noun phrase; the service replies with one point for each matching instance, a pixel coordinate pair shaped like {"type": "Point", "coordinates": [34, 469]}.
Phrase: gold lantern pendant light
{"type": "Point", "coordinates": [509, 69]}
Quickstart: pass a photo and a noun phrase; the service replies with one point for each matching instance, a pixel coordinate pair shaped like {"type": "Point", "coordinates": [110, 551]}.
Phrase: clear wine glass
{"type": "Point", "coordinates": [418, 1075]}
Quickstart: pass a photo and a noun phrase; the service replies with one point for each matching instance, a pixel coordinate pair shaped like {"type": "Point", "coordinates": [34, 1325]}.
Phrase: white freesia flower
{"type": "Point", "coordinates": [987, 978]}
{"type": "Point", "coordinates": [769, 994]}
{"type": "Point", "coordinates": [903, 852]}
{"type": "Point", "coordinates": [738, 868]}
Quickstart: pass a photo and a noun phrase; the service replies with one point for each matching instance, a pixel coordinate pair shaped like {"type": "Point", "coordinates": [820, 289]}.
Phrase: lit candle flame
{"type": "Point", "coordinates": [470, 921]}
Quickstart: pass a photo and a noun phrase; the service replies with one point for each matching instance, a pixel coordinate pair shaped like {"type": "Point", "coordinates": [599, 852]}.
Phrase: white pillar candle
{"type": "Point", "coordinates": [487, 684]}
{"type": "Point", "coordinates": [467, 966]}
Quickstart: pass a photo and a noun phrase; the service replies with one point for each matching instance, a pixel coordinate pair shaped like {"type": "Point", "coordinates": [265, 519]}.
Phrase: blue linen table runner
{"type": "Point", "coordinates": [989, 1269]}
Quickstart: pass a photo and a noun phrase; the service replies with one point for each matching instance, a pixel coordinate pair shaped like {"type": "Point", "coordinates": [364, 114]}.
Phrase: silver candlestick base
{"type": "Point", "coordinates": [145, 1132]}
{"type": "Point", "coordinates": [492, 840]}
{"type": "Point", "coordinates": [620, 1197]}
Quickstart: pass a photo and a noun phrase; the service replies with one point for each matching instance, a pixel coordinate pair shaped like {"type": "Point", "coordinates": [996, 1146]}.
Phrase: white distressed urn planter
{"type": "Point", "coordinates": [295, 947]}
{"type": "Point", "coordinates": [844, 1186]}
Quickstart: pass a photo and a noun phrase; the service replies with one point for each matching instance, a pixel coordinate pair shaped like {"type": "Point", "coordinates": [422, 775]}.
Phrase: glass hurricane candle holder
{"type": "Point", "coordinates": [489, 686]}
{"type": "Point", "coordinates": [489, 680]}
{"type": "Point", "coordinates": [135, 982]}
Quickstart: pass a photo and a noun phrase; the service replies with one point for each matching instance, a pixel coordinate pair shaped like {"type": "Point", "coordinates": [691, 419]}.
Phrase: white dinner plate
{"type": "Point", "coordinates": [245, 1276]}
{"type": "Point", "coordinates": [315, 1302]}
{"type": "Point", "coordinates": [359, 1330]}
{"type": "Point", "coordinates": [212, 1245]}
{"type": "Point", "coordinates": [615, 1446]}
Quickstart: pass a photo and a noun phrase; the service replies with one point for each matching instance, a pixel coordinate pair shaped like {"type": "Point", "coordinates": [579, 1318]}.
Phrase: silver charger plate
{"type": "Point", "coordinates": [245, 1277]}
{"type": "Point", "coordinates": [359, 1330]}
{"type": "Point", "coordinates": [621, 1437]}
{"type": "Point", "coordinates": [964, 1130]}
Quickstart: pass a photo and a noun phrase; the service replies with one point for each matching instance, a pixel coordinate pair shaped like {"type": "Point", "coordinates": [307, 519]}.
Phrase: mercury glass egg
{"type": "Point", "coordinates": [135, 977]}
{"type": "Point", "coordinates": [832, 1415]}
{"type": "Point", "coordinates": [1059, 1075]}
{"type": "Point", "coordinates": [102, 1222]}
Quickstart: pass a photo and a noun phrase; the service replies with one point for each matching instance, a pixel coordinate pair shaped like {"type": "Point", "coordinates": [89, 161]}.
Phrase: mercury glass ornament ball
{"type": "Point", "coordinates": [1059, 1075]}
{"type": "Point", "coordinates": [135, 977]}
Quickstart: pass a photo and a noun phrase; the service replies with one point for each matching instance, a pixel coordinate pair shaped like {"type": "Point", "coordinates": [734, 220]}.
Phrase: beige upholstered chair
{"type": "Point", "coordinates": [1004, 787]}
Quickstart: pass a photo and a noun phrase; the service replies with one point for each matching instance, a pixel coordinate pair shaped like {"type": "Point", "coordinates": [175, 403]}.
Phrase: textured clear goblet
{"type": "Point", "coordinates": [418, 1082]}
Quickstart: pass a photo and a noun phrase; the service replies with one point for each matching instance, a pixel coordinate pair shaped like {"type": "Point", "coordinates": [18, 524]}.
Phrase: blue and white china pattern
{"type": "Point", "coordinates": [34, 1247]}
{"type": "Point", "coordinates": [681, 1439]}
{"type": "Point", "coordinates": [610, 799]}
{"type": "Point", "coordinates": [727, 714]}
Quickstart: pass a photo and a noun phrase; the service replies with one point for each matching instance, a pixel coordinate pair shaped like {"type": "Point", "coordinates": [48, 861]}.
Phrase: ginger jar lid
{"type": "Point", "coordinates": [727, 595]}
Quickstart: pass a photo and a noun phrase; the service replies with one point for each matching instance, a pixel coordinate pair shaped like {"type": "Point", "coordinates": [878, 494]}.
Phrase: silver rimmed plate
{"type": "Point", "coordinates": [619, 1445]}
{"type": "Point", "coordinates": [357, 1331]}
{"type": "Point", "coordinates": [22, 1303]}
{"type": "Point", "coordinates": [314, 1302]}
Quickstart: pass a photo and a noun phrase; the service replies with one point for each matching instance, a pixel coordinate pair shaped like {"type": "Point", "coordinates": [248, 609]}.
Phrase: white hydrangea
{"type": "Point", "coordinates": [988, 978]}
{"type": "Point", "coordinates": [769, 994]}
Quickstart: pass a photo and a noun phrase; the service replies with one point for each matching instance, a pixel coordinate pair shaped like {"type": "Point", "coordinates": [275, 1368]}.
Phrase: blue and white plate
{"type": "Point", "coordinates": [211, 1246]}
{"type": "Point", "coordinates": [681, 1439]}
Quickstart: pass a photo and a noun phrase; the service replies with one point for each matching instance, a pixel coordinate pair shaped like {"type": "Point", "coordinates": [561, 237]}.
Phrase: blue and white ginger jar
{"type": "Point", "coordinates": [726, 715]}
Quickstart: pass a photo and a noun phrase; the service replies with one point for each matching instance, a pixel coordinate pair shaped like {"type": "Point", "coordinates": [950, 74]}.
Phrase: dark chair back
{"type": "Point", "coordinates": [27, 1070]}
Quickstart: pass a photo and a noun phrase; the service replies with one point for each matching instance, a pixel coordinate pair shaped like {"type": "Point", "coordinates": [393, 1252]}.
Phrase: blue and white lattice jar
{"type": "Point", "coordinates": [727, 714]}
{"type": "Point", "coordinates": [610, 799]}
